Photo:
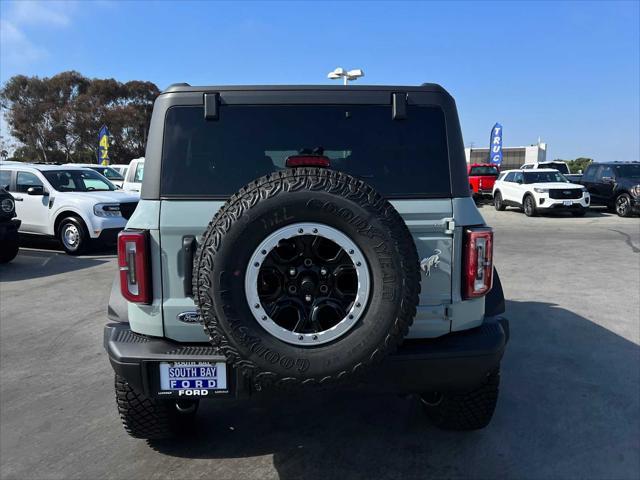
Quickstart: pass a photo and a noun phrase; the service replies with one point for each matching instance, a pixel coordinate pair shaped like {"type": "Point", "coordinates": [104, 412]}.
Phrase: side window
{"type": "Point", "coordinates": [139, 172]}
{"type": "Point", "coordinates": [518, 177]}
{"type": "Point", "coordinates": [509, 177]}
{"type": "Point", "coordinates": [589, 174]}
{"type": "Point", "coordinates": [5, 179]}
{"type": "Point", "coordinates": [607, 171]}
{"type": "Point", "coordinates": [25, 180]}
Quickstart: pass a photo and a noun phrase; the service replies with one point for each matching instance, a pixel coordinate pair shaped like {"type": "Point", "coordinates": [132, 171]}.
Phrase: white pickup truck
{"type": "Point", "coordinates": [76, 205]}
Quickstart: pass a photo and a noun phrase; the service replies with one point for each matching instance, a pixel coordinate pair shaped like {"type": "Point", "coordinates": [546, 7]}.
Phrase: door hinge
{"type": "Point", "coordinates": [449, 226]}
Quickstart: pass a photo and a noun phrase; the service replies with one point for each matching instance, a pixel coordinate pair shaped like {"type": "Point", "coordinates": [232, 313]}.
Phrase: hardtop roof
{"type": "Point", "coordinates": [185, 87]}
{"type": "Point", "coordinates": [43, 167]}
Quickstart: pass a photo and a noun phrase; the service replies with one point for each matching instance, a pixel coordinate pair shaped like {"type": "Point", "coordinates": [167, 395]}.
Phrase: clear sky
{"type": "Point", "coordinates": [567, 72]}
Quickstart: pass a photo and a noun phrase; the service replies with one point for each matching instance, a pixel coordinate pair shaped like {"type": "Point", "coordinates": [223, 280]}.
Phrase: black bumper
{"type": "Point", "coordinates": [457, 361]}
{"type": "Point", "coordinates": [109, 236]}
{"type": "Point", "coordinates": [9, 230]}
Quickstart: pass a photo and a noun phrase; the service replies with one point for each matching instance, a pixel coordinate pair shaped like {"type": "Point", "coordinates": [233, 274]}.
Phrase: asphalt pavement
{"type": "Point", "coordinates": [569, 405]}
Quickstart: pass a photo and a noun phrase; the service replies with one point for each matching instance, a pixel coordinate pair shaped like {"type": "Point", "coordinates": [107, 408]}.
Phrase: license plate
{"type": "Point", "coordinates": [567, 203]}
{"type": "Point", "coordinates": [193, 376]}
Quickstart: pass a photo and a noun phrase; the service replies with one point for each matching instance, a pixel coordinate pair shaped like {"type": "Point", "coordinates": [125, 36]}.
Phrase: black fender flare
{"type": "Point", "coordinates": [494, 301]}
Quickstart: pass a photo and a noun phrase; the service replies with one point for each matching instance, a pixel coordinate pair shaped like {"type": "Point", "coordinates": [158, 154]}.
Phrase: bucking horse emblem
{"type": "Point", "coordinates": [432, 262]}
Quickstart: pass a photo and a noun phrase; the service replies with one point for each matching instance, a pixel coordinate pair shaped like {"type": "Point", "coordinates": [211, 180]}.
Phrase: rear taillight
{"type": "Point", "coordinates": [477, 267]}
{"type": "Point", "coordinates": [133, 262]}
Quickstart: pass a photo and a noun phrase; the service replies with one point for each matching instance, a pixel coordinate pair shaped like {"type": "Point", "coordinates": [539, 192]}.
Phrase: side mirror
{"type": "Point", "coordinates": [519, 181]}
{"type": "Point", "coordinates": [607, 179]}
{"type": "Point", "coordinates": [37, 190]}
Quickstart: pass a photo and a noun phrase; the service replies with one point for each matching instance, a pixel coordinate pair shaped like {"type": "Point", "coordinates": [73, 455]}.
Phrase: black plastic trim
{"type": "Point", "coordinates": [494, 300]}
{"type": "Point", "coordinates": [457, 361]}
{"type": "Point", "coordinates": [211, 101]}
{"type": "Point", "coordinates": [188, 250]}
{"type": "Point", "coordinates": [399, 106]}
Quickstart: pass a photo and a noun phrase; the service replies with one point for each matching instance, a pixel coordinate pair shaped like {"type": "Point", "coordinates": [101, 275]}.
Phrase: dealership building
{"type": "Point", "coordinates": [512, 157]}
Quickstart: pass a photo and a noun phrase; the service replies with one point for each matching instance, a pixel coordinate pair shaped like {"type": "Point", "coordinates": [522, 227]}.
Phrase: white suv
{"type": "Point", "coordinates": [133, 179]}
{"type": "Point", "coordinates": [73, 204]}
{"type": "Point", "coordinates": [539, 190]}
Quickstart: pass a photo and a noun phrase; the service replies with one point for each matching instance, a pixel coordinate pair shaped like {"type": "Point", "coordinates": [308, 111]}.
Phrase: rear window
{"type": "Point", "coordinates": [399, 158]}
{"type": "Point", "coordinates": [561, 167]}
{"type": "Point", "coordinates": [484, 170]}
{"type": "Point", "coordinates": [544, 177]}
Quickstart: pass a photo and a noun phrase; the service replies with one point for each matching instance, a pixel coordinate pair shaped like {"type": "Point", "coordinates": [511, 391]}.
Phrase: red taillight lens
{"type": "Point", "coordinates": [477, 267]}
{"type": "Point", "coordinates": [308, 161]}
{"type": "Point", "coordinates": [133, 262]}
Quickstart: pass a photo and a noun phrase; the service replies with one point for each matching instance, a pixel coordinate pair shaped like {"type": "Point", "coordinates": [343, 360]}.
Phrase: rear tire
{"type": "Point", "coordinates": [73, 236]}
{"type": "Point", "coordinates": [9, 250]}
{"type": "Point", "coordinates": [529, 206]}
{"type": "Point", "coordinates": [498, 203]}
{"type": "Point", "coordinates": [149, 418]}
{"type": "Point", "coordinates": [470, 410]}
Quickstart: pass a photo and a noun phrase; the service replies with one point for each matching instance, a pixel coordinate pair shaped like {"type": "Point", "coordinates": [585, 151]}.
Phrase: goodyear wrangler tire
{"type": "Point", "coordinates": [306, 276]}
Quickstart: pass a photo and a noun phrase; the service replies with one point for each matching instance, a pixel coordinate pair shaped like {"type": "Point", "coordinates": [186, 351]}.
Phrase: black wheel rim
{"type": "Point", "coordinates": [307, 284]}
{"type": "Point", "coordinates": [622, 205]}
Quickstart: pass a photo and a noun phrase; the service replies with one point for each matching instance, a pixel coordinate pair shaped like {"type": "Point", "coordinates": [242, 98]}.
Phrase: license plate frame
{"type": "Point", "coordinates": [567, 203]}
{"type": "Point", "coordinates": [160, 375]}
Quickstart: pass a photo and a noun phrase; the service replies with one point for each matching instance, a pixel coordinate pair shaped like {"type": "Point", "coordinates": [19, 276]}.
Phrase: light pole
{"type": "Point", "coordinates": [340, 72]}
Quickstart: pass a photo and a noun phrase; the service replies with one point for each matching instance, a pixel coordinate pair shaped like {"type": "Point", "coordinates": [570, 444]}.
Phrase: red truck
{"type": "Point", "coordinates": [481, 179]}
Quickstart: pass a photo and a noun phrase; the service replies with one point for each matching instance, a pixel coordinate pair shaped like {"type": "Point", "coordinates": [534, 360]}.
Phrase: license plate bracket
{"type": "Point", "coordinates": [567, 203]}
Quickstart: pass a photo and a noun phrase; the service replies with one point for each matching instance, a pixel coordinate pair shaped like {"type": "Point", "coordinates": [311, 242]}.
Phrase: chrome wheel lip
{"type": "Point", "coordinates": [325, 336]}
{"type": "Point", "coordinates": [622, 205]}
{"type": "Point", "coordinates": [70, 236]}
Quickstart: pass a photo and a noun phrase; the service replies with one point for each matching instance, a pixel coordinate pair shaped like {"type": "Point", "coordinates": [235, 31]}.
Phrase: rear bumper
{"type": "Point", "coordinates": [9, 229]}
{"type": "Point", "coordinates": [483, 194]}
{"type": "Point", "coordinates": [457, 361]}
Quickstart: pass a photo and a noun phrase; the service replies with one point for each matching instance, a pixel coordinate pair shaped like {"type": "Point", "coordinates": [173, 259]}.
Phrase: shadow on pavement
{"type": "Point", "coordinates": [592, 212]}
{"type": "Point", "coordinates": [30, 264]}
{"type": "Point", "coordinates": [568, 408]}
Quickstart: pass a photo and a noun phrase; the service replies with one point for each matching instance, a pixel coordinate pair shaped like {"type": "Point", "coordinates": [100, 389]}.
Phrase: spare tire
{"type": "Point", "coordinates": [306, 276]}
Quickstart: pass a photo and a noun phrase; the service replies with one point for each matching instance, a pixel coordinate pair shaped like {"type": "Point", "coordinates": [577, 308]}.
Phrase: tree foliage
{"type": "Point", "coordinates": [58, 118]}
{"type": "Point", "coordinates": [577, 165]}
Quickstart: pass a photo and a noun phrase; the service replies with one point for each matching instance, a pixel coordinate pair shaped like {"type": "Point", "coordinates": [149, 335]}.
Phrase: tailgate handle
{"type": "Point", "coordinates": [189, 245]}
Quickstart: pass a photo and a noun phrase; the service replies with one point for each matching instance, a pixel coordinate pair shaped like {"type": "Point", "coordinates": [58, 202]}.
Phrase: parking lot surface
{"type": "Point", "coordinates": [569, 404]}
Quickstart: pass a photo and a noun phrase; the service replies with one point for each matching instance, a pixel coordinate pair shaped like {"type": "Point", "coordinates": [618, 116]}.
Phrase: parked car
{"type": "Point", "coordinates": [107, 171]}
{"type": "Point", "coordinates": [76, 205]}
{"type": "Point", "coordinates": [615, 185]}
{"type": "Point", "coordinates": [9, 244]}
{"type": "Point", "coordinates": [481, 179]}
{"type": "Point", "coordinates": [317, 262]}
{"type": "Point", "coordinates": [540, 190]}
{"type": "Point", "coordinates": [133, 179]}
{"type": "Point", "coordinates": [558, 165]}
{"type": "Point", "coordinates": [121, 168]}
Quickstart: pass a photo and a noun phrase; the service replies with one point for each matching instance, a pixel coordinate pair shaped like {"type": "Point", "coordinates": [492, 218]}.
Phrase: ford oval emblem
{"type": "Point", "coordinates": [189, 317]}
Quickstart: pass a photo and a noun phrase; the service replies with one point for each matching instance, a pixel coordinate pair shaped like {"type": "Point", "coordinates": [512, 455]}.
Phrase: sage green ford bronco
{"type": "Point", "coordinates": [304, 237]}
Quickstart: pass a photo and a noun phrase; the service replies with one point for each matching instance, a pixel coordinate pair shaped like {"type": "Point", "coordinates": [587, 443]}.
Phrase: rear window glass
{"type": "Point", "coordinates": [561, 167]}
{"type": "Point", "coordinates": [488, 170]}
{"type": "Point", "coordinates": [544, 177]}
{"type": "Point", "coordinates": [215, 158]}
